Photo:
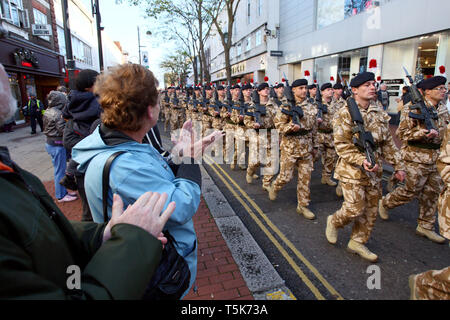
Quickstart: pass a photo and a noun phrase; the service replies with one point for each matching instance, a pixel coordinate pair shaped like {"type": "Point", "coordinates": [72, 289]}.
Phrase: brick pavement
{"type": "Point", "coordinates": [218, 276]}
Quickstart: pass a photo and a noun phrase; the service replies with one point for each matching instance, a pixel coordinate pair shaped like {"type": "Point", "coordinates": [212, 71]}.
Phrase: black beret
{"type": "Point", "coordinates": [208, 87]}
{"type": "Point", "coordinates": [361, 78]}
{"type": "Point", "coordinates": [299, 82]}
{"type": "Point", "coordinates": [433, 82]}
{"type": "Point", "coordinates": [247, 86]}
{"type": "Point", "coordinates": [85, 79]}
{"type": "Point", "coordinates": [338, 86]}
{"type": "Point", "coordinates": [220, 88]}
{"type": "Point", "coordinates": [280, 85]}
{"type": "Point", "coordinates": [326, 86]}
{"type": "Point", "coordinates": [236, 86]}
{"type": "Point", "coordinates": [196, 88]}
{"type": "Point", "coordinates": [262, 86]}
{"type": "Point", "coordinates": [312, 86]}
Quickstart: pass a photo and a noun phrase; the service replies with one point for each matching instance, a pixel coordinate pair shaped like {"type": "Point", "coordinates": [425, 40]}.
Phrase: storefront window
{"type": "Point", "coordinates": [15, 90]}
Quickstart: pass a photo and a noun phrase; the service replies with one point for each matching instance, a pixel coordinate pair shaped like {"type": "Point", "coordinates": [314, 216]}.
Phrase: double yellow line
{"type": "Point", "coordinates": [222, 174]}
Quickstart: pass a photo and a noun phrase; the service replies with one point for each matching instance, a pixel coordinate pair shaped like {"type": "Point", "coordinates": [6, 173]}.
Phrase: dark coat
{"type": "Point", "coordinates": [38, 244]}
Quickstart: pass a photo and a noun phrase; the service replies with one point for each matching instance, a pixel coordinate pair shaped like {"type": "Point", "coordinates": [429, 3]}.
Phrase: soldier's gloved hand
{"type": "Point", "coordinates": [319, 120]}
{"type": "Point", "coordinates": [241, 117]}
{"type": "Point", "coordinates": [366, 165]}
{"type": "Point", "coordinates": [256, 126]}
{"type": "Point", "coordinates": [228, 114]}
{"type": "Point", "coordinates": [400, 175]}
{"type": "Point", "coordinates": [296, 128]}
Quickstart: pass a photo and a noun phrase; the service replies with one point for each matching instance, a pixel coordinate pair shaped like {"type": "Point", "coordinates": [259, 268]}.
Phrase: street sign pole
{"type": "Point", "coordinates": [69, 54]}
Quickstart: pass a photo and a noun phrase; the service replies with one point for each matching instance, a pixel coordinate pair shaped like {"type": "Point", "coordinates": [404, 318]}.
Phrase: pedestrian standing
{"type": "Point", "coordinates": [53, 128]}
{"type": "Point", "coordinates": [35, 109]}
{"type": "Point", "coordinates": [383, 96]}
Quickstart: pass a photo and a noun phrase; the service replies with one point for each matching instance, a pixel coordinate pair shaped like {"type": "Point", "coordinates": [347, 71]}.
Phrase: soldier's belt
{"type": "Point", "coordinates": [299, 133]}
{"type": "Point", "coordinates": [423, 145]}
{"type": "Point", "coordinates": [229, 121]}
{"type": "Point", "coordinates": [325, 130]}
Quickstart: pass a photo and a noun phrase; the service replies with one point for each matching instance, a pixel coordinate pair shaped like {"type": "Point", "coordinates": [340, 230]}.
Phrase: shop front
{"type": "Point", "coordinates": [244, 71]}
{"type": "Point", "coordinates": [31, 70]}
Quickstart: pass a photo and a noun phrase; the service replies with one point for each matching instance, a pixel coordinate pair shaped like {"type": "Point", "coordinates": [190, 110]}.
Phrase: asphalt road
{"type": "Point", "coordinates": [311, 267]}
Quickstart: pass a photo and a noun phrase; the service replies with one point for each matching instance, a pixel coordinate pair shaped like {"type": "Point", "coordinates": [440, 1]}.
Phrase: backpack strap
{"type": "Point", "coordinates": [105, 182]}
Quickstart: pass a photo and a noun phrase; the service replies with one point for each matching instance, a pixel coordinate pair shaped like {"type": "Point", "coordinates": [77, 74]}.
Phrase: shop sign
{"type": "Point", "coordinates": [276, 53]}
{"type": "Point", "coordinates": [238, 68]}
{"type": "Point", "coordinates": [41, 30]}
{"type": "Point", "coordinates": [393, 81]}
{"type": "Point", "coordinates": [25, 58]}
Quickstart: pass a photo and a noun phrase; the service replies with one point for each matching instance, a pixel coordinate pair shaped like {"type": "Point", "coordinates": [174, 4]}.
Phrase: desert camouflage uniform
{"type": "Point", "coordinates": [361, 189]}
{"type": "Point", "coordinates": [229, 127]}
{"type": "Point", "coordinates": [325, 141]}
{"type": "Point", "coordinates": [176, 114]}
{"type": "Point", "coordinates": [217, 121]}
{"type": "Point", "coordinates": [239, 136]}
{"type": "Point", "coordinates": [422, 178]}
{"type": "Point", "coordinates": [165, 106]}
{"type": "Point", "coordinates": [195, 115]}
{"type": "Point", "coordinates": [182, 117]}
{"type": "Point", "coordinates": [257, 143]}
{"type": "Point", "coordinates": [206, 118]}
{"type": "Point", "coordinates": [296, 149]}
{"type": "Point", "coordinates": [443, 166]}
{"type": "Point", "coordinates": [432, 285]}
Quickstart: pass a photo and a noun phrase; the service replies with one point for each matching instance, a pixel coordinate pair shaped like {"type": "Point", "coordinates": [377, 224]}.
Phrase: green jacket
{"type": "Point", "coordinates": [38, 244]}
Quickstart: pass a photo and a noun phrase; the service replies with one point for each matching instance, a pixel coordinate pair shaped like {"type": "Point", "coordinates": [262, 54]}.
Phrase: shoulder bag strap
{"type": "Point", "coordinates": [105, 182]}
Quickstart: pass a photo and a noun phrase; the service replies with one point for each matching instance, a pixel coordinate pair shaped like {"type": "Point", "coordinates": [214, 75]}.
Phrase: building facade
{"type": "Point", "coordinates": [29, 50]}
{"type": "Point", "coordinates": [334, 39]}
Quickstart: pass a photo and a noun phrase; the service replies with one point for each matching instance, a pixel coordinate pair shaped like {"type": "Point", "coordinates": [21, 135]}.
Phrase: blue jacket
{"type": "Point", "coordinates": [133, 173]}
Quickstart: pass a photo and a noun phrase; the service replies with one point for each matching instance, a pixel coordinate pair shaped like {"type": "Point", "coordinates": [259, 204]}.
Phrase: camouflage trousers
{"type": "Point", "coordinates": [256, 154]}
{"type": "Point", "coordinates": [288, 163]}
{"type": "Point", "coordinates": [176, 119]}
{"type": "Point", "coordinates": [329, 159]}
{"type": "Point", "coordinates": [239, 145]}
{"type": "Point", "coordinates": [360, 206]}
{"type": "Point", "coordinates": [217, 123]}
{"type": "Point", "coordinates": [444, 213]}
{"type": "Point", "coordinates": [433, 285]}
{"type": "Point", "coordinates": [422, 182]}
{"type": "Point", "coordinates": [206, 122]}
{"type": "Point", "coordinates": [166, 119]}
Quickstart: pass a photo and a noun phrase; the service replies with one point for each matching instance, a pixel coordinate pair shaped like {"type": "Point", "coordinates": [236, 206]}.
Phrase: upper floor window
{"type": "Point", "coordinates": [248, 45]}
{"type": "Point", "coordinates": [40, 18]}
{"type": "Point", "coordinates": [258, 38]}
{"type": "Point", "coordinates": [260, 7]}
{"type": "Point", "coordinates": [13, 12]}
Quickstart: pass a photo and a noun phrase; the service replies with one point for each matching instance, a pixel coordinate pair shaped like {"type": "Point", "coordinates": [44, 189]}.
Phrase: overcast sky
{"type": "Point", "coordinates": [121, 22]}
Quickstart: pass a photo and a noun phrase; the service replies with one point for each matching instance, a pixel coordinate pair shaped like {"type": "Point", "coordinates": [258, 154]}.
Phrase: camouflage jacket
{"type": "Point", "coordinates": [298, 145]}
{"type": "Point", "coordinates": [349, 167]}
{"type": "Point", "coordinates": [443, 163]}
{"type": "Point", "coordinates": [267, 120]}
{"type": "Point", "coordinates": [325, 128]}
{"type": "Point", "coordinates": [211, 110]}
{"type": "Point", "coordinates": [410, 130]}
{"type": "Point", "coordinates": [236, 113]}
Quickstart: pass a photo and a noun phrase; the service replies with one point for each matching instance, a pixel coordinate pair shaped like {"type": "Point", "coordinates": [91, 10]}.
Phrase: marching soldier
{"type": "Point", "coordinates": [435, 284]}
{"type": "Point", "coordinates": [420, 151]}
{"type": "Point", "coordinates": [237, 116]}
{"type": "Point", "coordinates": [167, 109]}
{"type": "Point", "coordinates": [230, 126]}
{"type": "Point", "coordinates": [217, 122]}
{"type": "Point", "coordinates": [182, 98]}
{"type": "Point", "coordinates": [298, 146]}
{"type": "Point", "coordinates": [257, 142]}
{"type": "Point", "coordinates": [194, 110]}
{"type": "Point", "coordinates": [312, 91]}
{"type": "Point", "coordinates": [325, 135]}
{"type": "Point", "coordinates": [206, 117]}
{"type": "Point", "coordinates": [337, 103]}
{"type": "Point", "coordinates": [361, 179]}
{"type": "Point", "coordinates": [279, 90]}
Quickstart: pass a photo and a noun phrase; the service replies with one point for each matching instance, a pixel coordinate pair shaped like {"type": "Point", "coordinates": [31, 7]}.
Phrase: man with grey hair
{"type": "Point", "coordinates": [383, 96]}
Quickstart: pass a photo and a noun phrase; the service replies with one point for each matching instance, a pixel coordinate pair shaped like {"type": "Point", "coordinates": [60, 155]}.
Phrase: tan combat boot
{"type": "Point", "coordinates": [249, 178]}
{"type": "Point", "coordinates": [266, 187]}
{"type": "Point", "coordinates": [331, 232]}
{"type": "Point", "coordinates": [272, 193]}
{"type": "Point", "coordinates": [323, 180]}
{"type": "Point", "coordinates": [232, 166]}
{"type": "Point", "coordinates": [339, 190]}
{"type": "Point", "coordinates": [361, 250]}
{"type": "Point", "coordinates": [306, 212]}
{"type": "Point", "coordinates": [433, 236]}
{"type": "Point", "coordinates": [382, 210]}
{"type": "Point", "coordinates": [412, 287]}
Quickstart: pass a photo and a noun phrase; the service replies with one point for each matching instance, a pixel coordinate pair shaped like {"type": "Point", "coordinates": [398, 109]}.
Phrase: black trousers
{"type": "Point", "coordinates": [33, 119]}
{"type": "Point", "coordinates": [87, 215]}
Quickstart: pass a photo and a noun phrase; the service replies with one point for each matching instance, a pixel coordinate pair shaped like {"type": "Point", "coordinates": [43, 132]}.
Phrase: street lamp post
{"type": "Point", "coordinates": [68, 40]}
{"type": "Point", "coordinates": [96, 11]}
{"type": "Point", "coordinates": [148, 33]}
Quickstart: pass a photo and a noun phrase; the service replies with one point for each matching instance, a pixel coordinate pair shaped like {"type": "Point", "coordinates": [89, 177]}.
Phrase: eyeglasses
{"type": "Point", "coordinates": [441, 89]}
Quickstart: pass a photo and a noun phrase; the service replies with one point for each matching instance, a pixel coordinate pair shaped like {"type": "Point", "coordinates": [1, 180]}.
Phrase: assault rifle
{"type": "Point", "coordinates": [321, 108]}
{"type": "Point", "coordinates": [217, 104]}
{"type": "Point", "coordinates": [427, 115]}
{"type": "Point", "coordinates": [296, 112]}
{"type": "Point", "coordinates": [242, 106]}
{"type": "Point", "coordinates": [188, 96]}
{"type": "Point", "coordinates": [230, 100]}
{"type": "Point", "coordinates": [346, 92]}
{"type": "Point", "coordinates": [259, 109]}
{"type": "Point", "coordinates": [364, 142]}
{"type": "Point", "coordinates": [204, 101]}
{"type": "Point", "coordinates": [273, 95]}
{"type": "Point", "coordinates": [175, 100]}
{"type": "Point", "coordinates": [166, 97]}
